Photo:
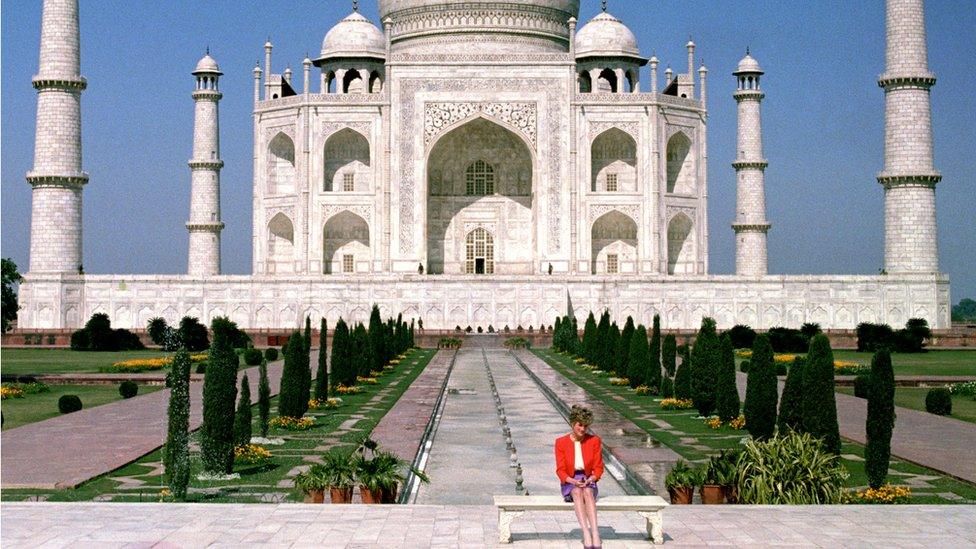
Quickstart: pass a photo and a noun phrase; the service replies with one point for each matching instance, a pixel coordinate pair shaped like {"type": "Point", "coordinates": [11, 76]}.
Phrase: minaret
{"type": "Point", "coordinates": [909, 177]}
{"type": "Point", "coordinates": [57, 179]}
{"type": "Point", "coordinates": [750, 224]}
{"type": "Point", "coordinates": [204, 224]}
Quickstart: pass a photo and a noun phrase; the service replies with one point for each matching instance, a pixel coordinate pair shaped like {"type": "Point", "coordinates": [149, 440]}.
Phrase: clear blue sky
{"type": "Point", "coordinates": [823, 121]}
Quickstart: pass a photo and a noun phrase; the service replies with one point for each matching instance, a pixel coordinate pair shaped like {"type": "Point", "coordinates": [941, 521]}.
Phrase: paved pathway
{"type": "Point", "coordinates": [941, 443]}
{"type": "Point", "coordinates": [469, 459]}
{"type": "Point", "coordinates": [392, 526]}
{"type": "Point", "coordinates": [64, 451]}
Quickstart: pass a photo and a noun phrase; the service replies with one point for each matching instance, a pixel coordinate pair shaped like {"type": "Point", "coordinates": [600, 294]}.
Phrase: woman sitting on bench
{"type": "Point", "coordinates": [579, 466]}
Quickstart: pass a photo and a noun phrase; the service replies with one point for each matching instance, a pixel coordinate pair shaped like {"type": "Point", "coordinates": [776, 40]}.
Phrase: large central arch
{"type": "Point", "coordinates": [480, 174]}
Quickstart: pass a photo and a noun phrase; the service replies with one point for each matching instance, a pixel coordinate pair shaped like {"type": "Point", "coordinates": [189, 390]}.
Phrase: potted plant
{"type": "Point", "coordinates": [312, 483]}
{"type": "Point", "coordinates": [680, 483]}
{"type": "Point", "coordinates": [381, 474]}
{"type": "Point", "coordinates": [711, 491]}
{"type": "Point", "coordinates": [727, 473]}
{"type": "Point", "coordinates": [339, 473]}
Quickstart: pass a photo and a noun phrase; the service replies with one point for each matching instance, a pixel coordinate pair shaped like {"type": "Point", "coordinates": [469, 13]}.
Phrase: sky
{"type": "Point", "coordinates": [823, 121]}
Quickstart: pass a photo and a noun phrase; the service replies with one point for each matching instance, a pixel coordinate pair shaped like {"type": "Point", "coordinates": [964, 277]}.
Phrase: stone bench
{"type": "Point", "coordinates": [648, 507]}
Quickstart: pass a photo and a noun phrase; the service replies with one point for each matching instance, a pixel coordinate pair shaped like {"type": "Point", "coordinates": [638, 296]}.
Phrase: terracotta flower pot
{"type": "Point", "coordinates": [682, 495]}
{"type": "Point", "coordinates": [388, 494]}
{"type": "Point", "coordinates": [370, 496]}
{"type": "Point", "coordinates": [731, 493]}
{"type": "Point", "coordinates": [341, 495]}
{"type": "Point", "coordinates": [712, 494]}
{"type": "Point", "coordinates": [315, 496]}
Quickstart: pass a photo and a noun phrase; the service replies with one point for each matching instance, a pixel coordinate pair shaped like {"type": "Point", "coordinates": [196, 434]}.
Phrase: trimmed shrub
{"type": "Point", "coordinates": [667, 387]}
{"type": "Point", "coordinates": [271, 354]}
{"type": "Point", "coordinates": [128, 389]}
{"type": "Point", "coordinates": [601, 358]}
{"type": "Point", "coordinates": [653, 378]}
{"type": "Point", "coordinates": [742, 336]}
{"type": "Point", "coordinates": [871, 337]}
{"type": "Point", "coordinates": [611, 362]}
{"type": "Point", "coordinates": [787, 340]}
{"type": "Point", "coordinates": [176, 452]}
{"type": "Point", "coordinates": [238, 339]}
{"type": "Point", "coordinates": [623, 348]}
{"type": "Point", "coordinates": [727, 395]}
{"type": "Point", "coordinates": [219, 397]}
{"type": "Point", "coordinates": [377, 344]}
{"type": "Point", "coordinates": [639, 358]}
{"type": "Point", "coordinates": [744, 366]}
{"type": "Point", "coordinates": [938, 401]}
{"type": "Point", "coordinates": [264, 399]}
{"type": "Point", "coordinates": [157, 329]}
{"type": "Point", "coordinates": [819, 404]}
{"type": "Point", "coordinates": [193, 334]}
{"type": "Point", "coordinates": [912, 338]}
{"type": "Point", "coordinates": [342, 371]}
{"type": "Point", "coordinates": [252, 356]}
{"type": "Point", "coordinates": [669, 355]}
{"type": "Point", "coordinates": [682, 378]}
{"type": "Point", "coordinates": [242, 417]}
{"type": "Point", "coordinates": [791, 403]}
{"type": "Point", "coordinates": [322, 372]}
{"type": "Point", "coordinates": [69, 403]}
{"type": "Point", "coordinates": [98, 335]}
{"type": "Point", "coordinates": [793, 469]}
{"type": "Point", "coordinates": [881, 419]}
{"type": "Point", "coordinates": [761, 391]}
{"type": "Point", "coordinates": [862, 385]}
{"type": "Point", "coordinates": [290, 395]}
{"type": "Point", "coordinates": [306, 366]}
{"type": "Point", "coordinates": [705, 358]}
{"type": "Point", "coordinates": [589, 339]}
{"type": "Point", "coordinates": [361, 354]}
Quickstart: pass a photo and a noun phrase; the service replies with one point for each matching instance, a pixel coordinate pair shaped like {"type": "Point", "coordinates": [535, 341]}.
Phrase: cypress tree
{"type": "Point", "coordinates": [557, 333]}
{"type": "Point", "coordinates": [623, 348]}
{"type": "Point", "coordinates": [292, 379]}
{"type": "Point", "coordinates": [881, 419]}
{"type": "Point", "coordinates": [341, 355]}
{"type": "Point", "coordinates": [413, 341]}
{"type": "Point", "coordinates": [727, 397]}
{"type": "Point", "coordinates": [574, 340]}
{"type": "Point", "coordinates": [791, 403]}
{"type": "Point", "coordinates": [682, 376]}
{"type": "Point", "coordinates": [264, 398]}
{"type": "Point", "coordinates": [669, 354]}
{"type": "Point", "coordinates": [322, 373]}
{"type": "Point", "coordinates": [589, 339]}
{"type": "Point", "coordinates": [819, 405]}
{"type": "Point", "coordinates": [653, 379]}
{"type": "Point", "coordinates": [704, 364]}
{"type": "Point", "coordinates": [307, 365]}
{"type": "Point", "coordinates": [602, 333]}
{"type": "Point", "coordinates": [242, 419]}
{"type": "Point", "coordinates": [376, 340]}
{"type": "Point", "coordinates": [638, 357]}
{"type": "Point", "coordinates": [761, 390]}
{"type": "Point", "coordinates": [176, 457]}
{"type": "Point", "coordinates": [399, 329]}
{"type": "Point", "coordinates": [361, 351]}
{"type": "Point", "coordinates": [219, 396]}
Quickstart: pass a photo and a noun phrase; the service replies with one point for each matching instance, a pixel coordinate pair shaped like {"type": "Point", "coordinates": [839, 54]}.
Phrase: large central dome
{"type": "Point", "coordinates": [479, 26]}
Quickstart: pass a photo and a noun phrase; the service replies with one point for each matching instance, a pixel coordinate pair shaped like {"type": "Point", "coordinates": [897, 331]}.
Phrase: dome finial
{"type": "Point", "coordinates": [208, 49]}
{"type": "Point", "coordinates": [604, 5]}
{"type": "Point", "coordinates": [355, 5]}
{"type": "Point", "coordinates": [747, 50]}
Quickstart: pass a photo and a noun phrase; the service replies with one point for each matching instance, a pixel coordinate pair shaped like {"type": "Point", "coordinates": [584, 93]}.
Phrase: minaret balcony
{"type": "Point", "coordinates": [65, 83]}
{"type": "Point", "coordinates": [894, 81]}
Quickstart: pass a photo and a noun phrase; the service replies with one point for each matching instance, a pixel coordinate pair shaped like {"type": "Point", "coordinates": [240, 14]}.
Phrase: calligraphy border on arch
{"type": "Point", "coordinates": [438, 116]}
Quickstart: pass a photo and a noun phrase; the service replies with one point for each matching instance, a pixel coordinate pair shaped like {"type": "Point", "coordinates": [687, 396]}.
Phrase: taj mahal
{"type": "Point", "coordinates": [477, 163]}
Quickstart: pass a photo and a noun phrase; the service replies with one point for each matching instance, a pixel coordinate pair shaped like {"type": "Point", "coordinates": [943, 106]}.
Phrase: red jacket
{"type": "Point", "coordinates": [592, 450]}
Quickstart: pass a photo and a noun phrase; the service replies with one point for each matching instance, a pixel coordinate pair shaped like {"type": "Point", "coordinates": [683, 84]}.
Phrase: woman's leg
{"type": "Point", "coordinates": [580, 506]}
{"type": "Point", "coordinates": [589, 503]}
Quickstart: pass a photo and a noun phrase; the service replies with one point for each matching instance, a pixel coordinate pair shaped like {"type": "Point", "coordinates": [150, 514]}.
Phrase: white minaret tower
{"type": "Point", "coordinates": [57, 179]}
{"type": "Point", "coordinates": [909, 178]}
{"type": "Point", "coordinates": [750, 224]}
{"type": "Point", "coordinates": [205, 224]}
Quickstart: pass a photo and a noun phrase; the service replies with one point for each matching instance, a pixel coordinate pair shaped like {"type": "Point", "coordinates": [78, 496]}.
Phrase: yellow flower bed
{"type": "Point", "coordinates": [147, 364]}
{"type": "Point", "coordinates": [367, 380]}
{"type": "Point", "coordinates": [619, 381]}
{"type": "Point", "coordinates": [292, 424]}
{"type": "Point", "coordinates": [395, 361]}
{"type": "Point", "coordinates": [642, 390]}
{"type": "Point", "coordinates": [887, 494]}
{"type": "Point", "coordinates": [250, 453]}
{"type": "Point", "coordinates": [10, 392]}
{"type": "Point", "coordinates": [332, 403]}
{"type": "Point", "coordinates": [744, 353]}
{"type": "Point", "coordinates": [786, 357]}
{"type": "Point", "coordinates": [579, 360]}
{"type": "Point", "coordinates": [676, 404]}
{"type": "Point", "coordinates": [374, 373]}
{"type": "Point", "coordinates": [714, 422]}
{"type": "Point", "coordinates": [738, 423]}
{"type": "Point", "coordinates": [343, 390]}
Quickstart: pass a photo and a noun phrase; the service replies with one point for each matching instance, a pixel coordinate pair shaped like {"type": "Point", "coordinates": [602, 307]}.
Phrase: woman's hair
{"type": "Point", "coordinates": [581, 415]}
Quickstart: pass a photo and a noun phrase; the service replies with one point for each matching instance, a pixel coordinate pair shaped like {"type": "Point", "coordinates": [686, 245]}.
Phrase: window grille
{"type": "Point", "coordinates": [613, 264]}
{"type": "Point", "coordinates": [348, 182]}
{"type": "Point", "coordinates": [479, 179]}
{"type": "Point", "coordinates": [348, 263]}
{"type": "Point", "coordinates": [612, 182]}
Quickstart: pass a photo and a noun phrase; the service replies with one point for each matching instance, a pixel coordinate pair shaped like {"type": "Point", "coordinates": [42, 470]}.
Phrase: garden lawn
{"type": "Point", "coordinates": [64, 361]}
{"type": "Point", "coordinates": [695, 441]}
{"type": "Point", "coordinates": [41, 406]}
{"type": "Point", "coordinates": [933, 363]}
{"type": "Point", "coordinates": [963, 406]}
{"type": "Point", "coordinates": [269, 482]}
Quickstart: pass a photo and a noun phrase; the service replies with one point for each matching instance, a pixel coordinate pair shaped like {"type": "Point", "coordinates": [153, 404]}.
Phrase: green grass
{"type": "Point", "coordinates": [258, 482]}
{"type": "Point", "coordinates": [41, 406]}
{"type": "Point", "coordinates": [685, 425]}
{"type": "Point", "coordinates": [63, 361]}
{"type": "Point", "coordinates": [935, 363]}
{"type": "Point", "coordinates": [963, 406]}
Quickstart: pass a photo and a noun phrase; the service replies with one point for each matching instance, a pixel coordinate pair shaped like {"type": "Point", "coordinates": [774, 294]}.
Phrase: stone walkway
{"type": "Point", "coordinates": [79, 525]}
{"type": "Point", "coordinates": [64, 451]}
{"type": "Point", "coordinates": [937, 442]}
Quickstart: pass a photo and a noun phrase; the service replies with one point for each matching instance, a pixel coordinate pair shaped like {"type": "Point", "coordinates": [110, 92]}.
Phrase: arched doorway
{"type": "Point", "coordinates": [281, 166]}
{"type": "Point", "coordinates": [281, 244]}
{"type": "Point", "coordinates": [480, 174]}
{"type": "Point", "coordinates": [681, 165]}
{"type": "Point", "coordinates": [345, 244]}
{"type": "Point", "coordinates": [613, 162]}
{"type": "Point", "coordinates": [681, 246]}
{"type": "Point", "coordinates": [614, 244]}
{"type": "Point", "coordinates": [347, 162]}
{"type": "Point", "coordinates": [479, 252]}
